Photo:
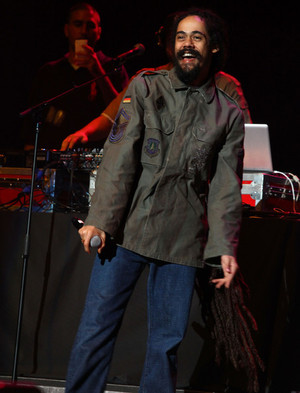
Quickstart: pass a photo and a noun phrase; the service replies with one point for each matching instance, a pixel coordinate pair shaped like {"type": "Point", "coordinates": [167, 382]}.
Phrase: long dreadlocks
{"type": "Point", "coordinates": [232, 323]}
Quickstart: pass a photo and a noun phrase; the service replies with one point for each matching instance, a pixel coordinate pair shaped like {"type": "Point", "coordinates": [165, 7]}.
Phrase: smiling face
{"type": "Point", "coordinates": [192, 54]}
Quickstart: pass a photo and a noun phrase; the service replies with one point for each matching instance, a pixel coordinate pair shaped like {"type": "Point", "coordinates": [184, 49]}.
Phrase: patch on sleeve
{"type": "Point", "coordinates": [119, 127]}
{"type": "Point", "coordinates": [152, 147]}
{"type": "Point", "coordinates": [127, 100]}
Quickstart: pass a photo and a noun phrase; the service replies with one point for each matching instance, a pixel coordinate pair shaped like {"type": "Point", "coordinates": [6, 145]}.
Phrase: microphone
{"type": "Point", "coordinates": [137, 50]}
{"type": "Point", "coordinates": [95, 240]}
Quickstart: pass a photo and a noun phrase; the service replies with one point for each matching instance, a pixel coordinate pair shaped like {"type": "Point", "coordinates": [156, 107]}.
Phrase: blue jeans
{"type": "Point", "coordinates": [170, 290]}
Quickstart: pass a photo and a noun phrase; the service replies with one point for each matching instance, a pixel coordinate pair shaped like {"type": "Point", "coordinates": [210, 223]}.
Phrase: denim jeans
{"type": "Point", "coordinates": [169, 291]}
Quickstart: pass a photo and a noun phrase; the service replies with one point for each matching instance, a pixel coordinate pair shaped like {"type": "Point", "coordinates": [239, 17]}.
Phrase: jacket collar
{"type": "Point", "coordinates": [207, 90]}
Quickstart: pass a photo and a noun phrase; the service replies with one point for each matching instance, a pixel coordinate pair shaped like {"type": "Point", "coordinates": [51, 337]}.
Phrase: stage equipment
{"type": "Point", "coordinates": [271, 192]}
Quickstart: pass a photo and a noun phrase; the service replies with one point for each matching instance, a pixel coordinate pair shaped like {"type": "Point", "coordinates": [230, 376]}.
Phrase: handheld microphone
{"type": "Point", "coordinates": [95, 240]}
{"type": "Point", "coordinates": [137, 50]}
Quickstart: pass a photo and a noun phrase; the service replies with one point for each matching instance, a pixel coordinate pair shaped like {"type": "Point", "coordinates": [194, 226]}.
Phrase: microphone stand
{"type": "Point", "coordinates": [25, 257]}
{"type": "Point", "coordinates": [37, 112]}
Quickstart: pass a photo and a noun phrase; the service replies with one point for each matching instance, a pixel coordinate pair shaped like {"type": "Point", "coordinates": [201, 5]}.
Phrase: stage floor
{"type": "Point", "coordinates": [57, 386]}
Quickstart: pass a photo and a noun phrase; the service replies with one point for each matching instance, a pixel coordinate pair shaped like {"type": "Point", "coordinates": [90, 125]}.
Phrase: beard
{"type": "Point", "coordinates": [185, 73]}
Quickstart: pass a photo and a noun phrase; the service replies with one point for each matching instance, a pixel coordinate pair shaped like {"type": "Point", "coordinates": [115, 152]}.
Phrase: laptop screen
{"type": "Point", "coordinates": [258, 157]}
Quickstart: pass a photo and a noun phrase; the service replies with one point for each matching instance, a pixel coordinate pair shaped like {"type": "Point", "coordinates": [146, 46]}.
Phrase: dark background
{"type": "Point", "coordinates": [264, 52]}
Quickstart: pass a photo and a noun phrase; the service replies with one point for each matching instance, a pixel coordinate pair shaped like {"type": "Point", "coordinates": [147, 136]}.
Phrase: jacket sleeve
{"type": "Point", "coordinates": [224, 205]}
{"type": "Point", "coordinates": [120, 166]}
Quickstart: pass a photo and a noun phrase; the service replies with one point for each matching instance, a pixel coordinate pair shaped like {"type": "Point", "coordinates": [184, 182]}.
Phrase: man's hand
{"type": "Point", "coordinates": [230, 267]}
{"type": "Point", "coordinates": [88, 59]}
{"type": "Point", "coordinates": [89, 231]}
{"type": "Point", "coordinates": [78, 138]}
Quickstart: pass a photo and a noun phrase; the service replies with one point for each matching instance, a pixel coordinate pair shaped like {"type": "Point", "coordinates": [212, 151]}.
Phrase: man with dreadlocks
{"type": "Point", "coordinates": [167, 198]}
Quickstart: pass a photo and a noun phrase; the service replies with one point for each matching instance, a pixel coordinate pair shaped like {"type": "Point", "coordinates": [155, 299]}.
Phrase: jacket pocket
{"type": "Point", "coordinates": [156, 144]}
{"type": "Point", "coordinates": [159, 121]}
{"type": "Point", "coordinates": [200, 132]}
{"type": "Point", "coordinates": [203, 134]}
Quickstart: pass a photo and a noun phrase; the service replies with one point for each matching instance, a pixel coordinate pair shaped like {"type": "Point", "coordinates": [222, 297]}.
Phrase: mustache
{"type": "Point", "coordinates": [193, 52]}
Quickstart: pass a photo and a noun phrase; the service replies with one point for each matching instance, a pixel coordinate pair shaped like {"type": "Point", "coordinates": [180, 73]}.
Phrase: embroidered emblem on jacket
{"type": "Point", "coordinates": [152, 147]}
{"type": "Point", "coordinates": [119, 127]}
{"type": "Point", "coordinates": [199, 159]}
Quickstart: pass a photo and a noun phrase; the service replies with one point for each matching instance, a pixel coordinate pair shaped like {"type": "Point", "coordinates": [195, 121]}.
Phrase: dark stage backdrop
{"type": "Point", "coordinates": [264, 44]}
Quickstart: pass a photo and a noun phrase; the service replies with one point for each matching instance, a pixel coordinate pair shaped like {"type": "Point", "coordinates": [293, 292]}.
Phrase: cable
{"type": "Point", "coordinates": [292, 187]}
{"type": "Point", "coordinates": [296, 180]}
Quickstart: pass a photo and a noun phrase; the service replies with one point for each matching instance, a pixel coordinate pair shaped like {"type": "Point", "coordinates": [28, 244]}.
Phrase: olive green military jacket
{"type": "Point", "coordinates": [168, 186]}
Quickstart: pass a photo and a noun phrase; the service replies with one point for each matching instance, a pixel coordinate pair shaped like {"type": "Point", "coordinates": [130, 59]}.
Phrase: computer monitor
{"type": "Point", "coordinates": [258, 157]}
